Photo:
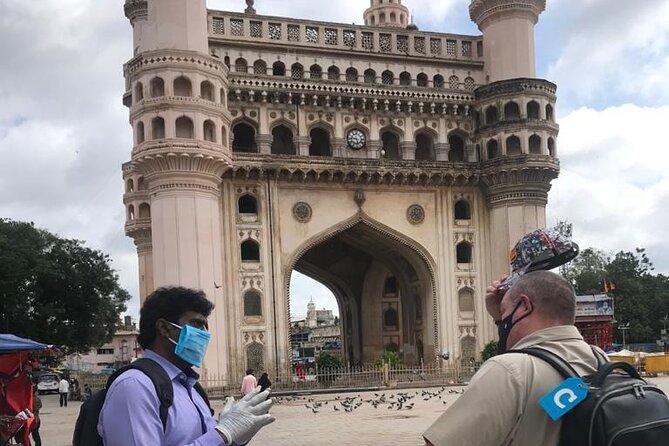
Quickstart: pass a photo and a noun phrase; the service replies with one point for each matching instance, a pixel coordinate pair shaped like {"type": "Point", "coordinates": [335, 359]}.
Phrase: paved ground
{"type": "Point", "coordinates": [297, 425]}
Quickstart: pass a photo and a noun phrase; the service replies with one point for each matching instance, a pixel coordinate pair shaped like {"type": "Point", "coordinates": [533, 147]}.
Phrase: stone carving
{"type": "Point", "coordinates": [416, 214]}
{"type": "Point", "coordinates": [359, 197]}
{"type": "Point", "coordinates": [302, 212]}
{"type": "Point", "coordinates": [249, 7]}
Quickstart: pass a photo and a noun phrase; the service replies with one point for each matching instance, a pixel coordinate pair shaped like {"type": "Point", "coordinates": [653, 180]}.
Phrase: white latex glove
{"type": "Point", "coordinates": [240, 421]}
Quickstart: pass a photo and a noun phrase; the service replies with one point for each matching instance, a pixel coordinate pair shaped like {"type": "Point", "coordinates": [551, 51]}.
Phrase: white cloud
{"type": "Point", "coordinates": [614, 185]}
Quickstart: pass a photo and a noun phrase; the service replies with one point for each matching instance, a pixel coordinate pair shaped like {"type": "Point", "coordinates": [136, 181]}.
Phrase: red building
{"type": "Point", "coordinates": [594, 319]}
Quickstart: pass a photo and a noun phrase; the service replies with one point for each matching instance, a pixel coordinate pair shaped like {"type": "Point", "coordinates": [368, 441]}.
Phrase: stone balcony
{"type": "Point", "coordinates": [283, 32]}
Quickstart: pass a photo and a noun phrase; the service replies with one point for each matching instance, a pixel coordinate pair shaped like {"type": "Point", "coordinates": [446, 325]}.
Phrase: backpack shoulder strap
{"type": "Point", "coordinates": [203, 393]}
{"type": "Point", "coordinates": [563, 367]}
{"type": "Point", "coordinates": [161, 382]}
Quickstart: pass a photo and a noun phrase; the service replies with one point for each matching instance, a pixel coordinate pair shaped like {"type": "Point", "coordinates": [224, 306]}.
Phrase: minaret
{"type": "Point", "coordinates": [176, 93]}
{"type": "Point", "coordinates": [508, 36]}
{"type": "Point", "coordinates": [387, 13]}
{"type": "Point", "coordinates": [312, 319]}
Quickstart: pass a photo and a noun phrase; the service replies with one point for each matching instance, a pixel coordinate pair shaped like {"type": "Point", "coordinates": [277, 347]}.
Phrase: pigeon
{"type": "Point", "coordinates": [314, 410]}
{"type": "Point", "coordinates": [335, 408]}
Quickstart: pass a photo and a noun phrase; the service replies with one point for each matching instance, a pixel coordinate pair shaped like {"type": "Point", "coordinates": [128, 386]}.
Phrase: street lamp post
{"type": "Point", "coordinates": [624, 328]}
{"type": "Point", "coordinates": [124, 348]}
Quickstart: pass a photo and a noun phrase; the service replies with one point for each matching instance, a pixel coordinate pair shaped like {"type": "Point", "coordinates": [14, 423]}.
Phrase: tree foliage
{"type": "Point", "coordinates": [489, 350]}
{"type": "Point", "coordinates": [641, 297]}
{"type": "Point", "coordinates": [56, 290]}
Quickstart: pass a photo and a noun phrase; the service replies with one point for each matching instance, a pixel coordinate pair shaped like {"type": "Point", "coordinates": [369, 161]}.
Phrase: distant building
{"type": "Point", "coordinates": [121, 350]}
{"type": "Point", "coordinates": [314, 334]}
{"type": "Point", "coordinates": [594, 319]}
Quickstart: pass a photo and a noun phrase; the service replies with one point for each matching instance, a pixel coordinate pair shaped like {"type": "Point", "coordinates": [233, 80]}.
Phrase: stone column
{"type": "Point", "coordinates": [303, 143]}
{"type": "Point", "coordinates": [408, 149]}
{"type": "Point", "coordinates": [145, 263]}
{"type": "Point", "coordinates": [264, 144]}
{"type": "Point", "coordinates": [338, 147]}
{"type": "Point", "coordinates": [442, 149]}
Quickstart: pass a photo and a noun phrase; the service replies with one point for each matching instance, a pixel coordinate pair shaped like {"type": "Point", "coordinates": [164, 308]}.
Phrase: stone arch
{"type": "Point", "coordinates": [247, 204]}
{"type": "Point", "coordinates": [513, 146]}
{"type": "Point", "coordinates": [462, 209]}
{"type": "Point", "coordinates": [183, 87]}
{"type": "Point", "coordinates": [260, 67]}
{"type": "Point", "coordinates": [321, 141]}
{"type": "Point", "coordinates": [466, 300]}
{"type": "Point", "coordinates": [241, 65]}
{"type": "Point", "coordinates": [370, 76]}
{"type": "Point", "coordinates": [438, 81]}
{"type": "Point", "coordinates": [131, 212]}
{"type": "Point", "coordinates": [283, 142]}
{"type": "Point", "coordinates": [421, 80]}
{"type": "Point", "coordinates": [390, 140]}
{"type": "Point", "coordinates": [297, 71]}
{"type": "Point", "coordinates": [207, 91]}
{"type": "Point", "coordinates": [255, 356]}
{"type": "Point", "coordinates": [138, 95]}
{"type": "Point", "coordinates": [129, 186]}
{"type": "Point", "coordinates": [183, 127]}
{"type": "Point", "coordinates": [333, 73]}
{"type": "Point", "coordinates": [454, 82]}
{"type": "Point", "coordinates": [144, 210]}
{"type": "Point", "coordinates": [533, 110]}
{"type": "Point", "coordinates": [463, 251]}
{"type": "Point", "coordinates": [405, 78]}
{"type": "Point", "coordinates": [140, 134]}
{"type": "Point", "coordinates": [511, 111]}
{"type": "Point", "coordinates": [244, 137]}
{"type": "Point", "coordinates": [157, 128]}
{"type": "Point", "coordinates": [468, 348]}
{"type": "Point", "coordinates": [457, 153]}
{"type": "Point", "coordinates": [414, 250]}
{"type": "Point", "coordinates": [492, 149]}
{"type": "Point", "coordinates": [551, 146]}
{"type": "Point", "coordinates": [351, 74]}
{"type": "Point", "coordinates": [157, 87]}
{"type": "Point", "coordinates": [491, 115]}
{"type": "Point", "coordinates": [549, 113]}
{"type": "Point", "coordinates": [278, 68]}
{"type": "Point", "coordinates": [250, 251]}
{"type": "Point", "coordinates": [209, 130]}
{"type": "Point", "coordinates": [315, 72]}
{"type": "Point", "coordinates": [252, 303]}
{"type": "Point", "coordinates": [387, 77]}
{"type": "Point", "coordinates": [534, 144]}
{"type": "Point", "coordinates": [425, 145]}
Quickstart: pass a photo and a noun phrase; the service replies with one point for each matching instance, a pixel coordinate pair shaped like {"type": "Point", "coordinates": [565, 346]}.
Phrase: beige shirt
{"type": "Point", "coordinates": [500, 407]}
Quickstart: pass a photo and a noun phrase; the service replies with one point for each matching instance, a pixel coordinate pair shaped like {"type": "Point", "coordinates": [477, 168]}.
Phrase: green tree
{"type": "Point", "coordinates": [56, 290]}
{"type": "Point", "coordinates": [489, 350]}
{"type": "Point", "coordinates": [587, 271]}
{"type": "Point", "coordinates": [328, 361]}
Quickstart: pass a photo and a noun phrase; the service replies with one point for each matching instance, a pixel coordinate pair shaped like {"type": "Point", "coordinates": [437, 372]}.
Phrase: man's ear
{"type": "Point", "coordinates": [163, 328]}
{"type": "Point", "coordinates": [527, 303]}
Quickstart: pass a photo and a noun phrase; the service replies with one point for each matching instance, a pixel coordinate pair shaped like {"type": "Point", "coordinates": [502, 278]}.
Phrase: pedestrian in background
{"type": "Point", "coordinates": [63, 390]}
{"type": "Point", "coordinates": [264, 382]}
{"type": "Point", "coordinates": [249, 382]}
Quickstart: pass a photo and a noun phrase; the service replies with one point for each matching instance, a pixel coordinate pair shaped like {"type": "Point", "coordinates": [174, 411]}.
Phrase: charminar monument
{"type": "Point", "coordinates": [394, 165]}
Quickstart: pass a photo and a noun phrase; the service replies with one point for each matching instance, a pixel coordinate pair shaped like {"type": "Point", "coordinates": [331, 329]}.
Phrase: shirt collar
{"type": "Point", "coordinates": [551, 334]}
{"type": "Point", "coordinates": [172, 371]}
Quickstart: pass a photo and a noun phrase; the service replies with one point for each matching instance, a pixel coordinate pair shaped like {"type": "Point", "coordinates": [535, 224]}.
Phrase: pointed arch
{"type": "Point", "coordinates": [425, 145]}
{"type": "Point", "coordinates": [457, 151]}
{"type": "Point", "coordinates": [244, 137]}
{"type": "Point", "coordinates": [320, 142]}
{"type": "Point", "coordinates": [157, 128]}
{"type": "Point", "coordinates": [513, 146]}
{"type": "Point", "coordinates": [183, 87]}
{"type": "Point", "coordinates": [370, 76]}
{"type": "Point", "coordinates": [297, 72]}
{"type": "Point", "coordinates": [492, 149]}
{"type": "Point", "coordinates": [241, 65]}
{"type": "Point", "coordinates": [421, 80]}
{"type": "Point", "coordinates": [315, 72]}
{"type": "Point", "coordinates": [438, 81]}
{"type": "Point", "coordinates": [491, 115]}
{"type": "Point", "coordinates": [157, 87]}
{"type": "Point", "coordinates": [260, 67]}
{"type": "Point", "coordinates": [533, 109]}
{"type": "Point", "coordinates": [207, 91]}
{"type": "Point", "coordinates": [184, 127]}
{"type": "Point", "coordinates": [252, 303]}
{"type": "Point", "coordinates": [283, 142]}
{"type": "Point", "coordinates": [250, 251]}
{"type": "Point", "coordinates": [534, 144]}
{"type": "Point", "coordinates": [333, 73]}
{"type": "Point", "coordinates": [462, 210]}
{"type": "Point", "coordinates": [405, 78]}
{"type": "Point", "coordinates": [391, 143]}
{"type": "Point", "coordinates": [463, 252]}
{"type": "Point", "coordinates": [278, 68]}
{"type": "Point", "coordinates": [209, 130]}
{"type": "Point", "coordinates": [511, 111]}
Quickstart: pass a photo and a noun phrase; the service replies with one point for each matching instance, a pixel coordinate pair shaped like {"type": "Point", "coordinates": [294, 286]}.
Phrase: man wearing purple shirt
{"type": "Point", "coordinates": [131, 412]}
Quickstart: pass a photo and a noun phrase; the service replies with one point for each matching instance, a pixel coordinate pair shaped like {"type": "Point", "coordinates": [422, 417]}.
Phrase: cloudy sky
{"type": "Point", "coordinates": [64, 133]}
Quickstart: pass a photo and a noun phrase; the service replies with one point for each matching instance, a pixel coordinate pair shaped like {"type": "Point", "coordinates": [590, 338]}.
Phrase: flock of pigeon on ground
{"type": "Point", "coordinates": [391, 401]}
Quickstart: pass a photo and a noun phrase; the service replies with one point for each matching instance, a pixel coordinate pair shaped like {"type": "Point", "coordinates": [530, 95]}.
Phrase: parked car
{"type": "Point", "coordinates": [47, 382]}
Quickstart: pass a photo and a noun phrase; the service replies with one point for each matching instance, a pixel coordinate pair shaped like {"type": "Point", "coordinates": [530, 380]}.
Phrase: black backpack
{"type": "Point", "coordinates": [621, 409]}
{"type": "Point", "coordinates": [86, 427]}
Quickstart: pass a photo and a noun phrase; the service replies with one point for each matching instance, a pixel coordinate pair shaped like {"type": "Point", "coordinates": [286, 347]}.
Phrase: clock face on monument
{"type": "Point", "coordinates": [356, 139]}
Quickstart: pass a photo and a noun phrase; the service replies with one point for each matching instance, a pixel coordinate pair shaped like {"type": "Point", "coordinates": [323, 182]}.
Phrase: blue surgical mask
{"type": "Point", "coordinates": [192, 344]}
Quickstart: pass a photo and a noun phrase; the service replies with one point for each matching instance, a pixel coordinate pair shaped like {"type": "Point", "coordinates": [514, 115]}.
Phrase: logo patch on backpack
{"type": "Point", "coordinates": [569, 394]}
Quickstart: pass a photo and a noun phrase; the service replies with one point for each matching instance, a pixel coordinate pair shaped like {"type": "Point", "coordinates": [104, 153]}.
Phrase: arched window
{"type": "Point", "coordinates": [140, 132]}
{"type": "Point", "coordinates": [454, 82]}
{"type": "Point", "coordinates": [390, 286]}
{"type": "Point", "coordinates": [462, 210]}
{"type": "Point", "coordinates": [511, 111]}
{"type": "Point", "coordinates": [183, 87]}
{"type": "Point", "coordinates": [250, 251]}
{"type": "Point", "coordinates": [140, 184]}
{"type": "Point", "coordinates": [373, 20]}
{"type": "Point", "coordinates": [278, 69]}
{"type": "Point", "coordinates": [333, 73]}
{"type": "Point", "coordinates": [252, 303]}
{"type": "Point", "coordinates": [226, 61]}
{"type": "Point", "coordinates": [513, 146]}
{"type": "Point", "coordinates": [157, 87]}
{"type": "Point", "coordinates": [463, 252]}
{"type": "Point", "coordinates": [370, 76]}
{"type": "Point", "coordinates": [393, 17]}
{"type": "Point", "coordinates": [390, 319]}
{"type": "Point", "coordinates": [549, 112]}
{"type": "Point", "coordinates": [157, 128]}
{"type": "Point", "coordinates": [382, 18]}
{"type": "Point", "coordinates": [533, 110]}
{"type": "Point", "coordinates": [320, 142]}
{"type": "Point", "coordinates": [247, 204]}
{"type": "Point", "coordinates": [535, 144]}
{"type": "Point", "coordinates": [421, 80]}
{"type": "Point", "coordinates": [551, 146]}
{"type": "Point", "coordinates": [424, 147]}
{"type": "Point", "coordinates": [131, 212]}
{"type": "Point", "coordinates": [297, 72]}
{"type": "Point", "coordinates": [207, 91]}
{"type": "Point", "coordinates": [224, 99]}
{"type": "Point", "coordinates": [315, 72]}
{"type": "Point", "coordinates": [244, 138]}
{"type": "Point", "coordinates": [466, 299]}
{"type": "Point", "coordinates": [470, 83]}
{"type": "Point", "coordinates": [387, 77]}
{"type": "Point", "coordinates": [282, 141]}
{"type": "Point", "coordinates": [129, 186]}
{"type": "Point", "coordinates": [468, 348]}
{"type": "Point", "coordinates": [491, 115]}
{"type": "Point", "coordinates": [260, 67]}
{"type": "Point", "coordinates": [457, 152]}
{"type": "Point", "coordinates": [351, 75]}
{"type": "Point", "coordinates": [391, 145]}
{"type": "Point", "coordinates": [144, 210]}
{"type": "Point", "coordinates": [438, 81]}
{"type": "Point", "coordinates": [255, 357]}
{"type": "Point", "coordinates": [209, 130]}
{"type": "Point", "coordinates": [224, 136]}
{"type": "Point", "coordinates": [139, 92]}
{"type": "Point", "coordinates": [241, 65]}
{"type": "Point", "coordinates": [493, 149]}
{"type": "Point", "coordinates": [405, 78]}
{"type": "Point", "coordinates": [184, 127]}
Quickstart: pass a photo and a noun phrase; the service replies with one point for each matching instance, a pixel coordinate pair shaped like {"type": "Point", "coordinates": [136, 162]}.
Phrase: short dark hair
{"type": "Point", "coordinates": [169, 303]}
{"type": "Point", "coordinates": [552, 294]}
{"type": "Point", "coordinates": [249, 371]}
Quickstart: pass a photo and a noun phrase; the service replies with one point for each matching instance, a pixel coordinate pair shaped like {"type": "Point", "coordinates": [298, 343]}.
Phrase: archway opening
{"type": "Point", "coordinates": [320, 142]}
{"type": "Point", "coordinates": [282, 141]}
{"type": "Point", "coordinates": [244, 138]}
{"type": "Point", "coordinates": [424, 147]}
{"type": "Point", "coordinates": [457, 152]}
{"type": "Point", "coordinates": [391, 145]}
{"type": "Point", "coordinates": [382, 287]}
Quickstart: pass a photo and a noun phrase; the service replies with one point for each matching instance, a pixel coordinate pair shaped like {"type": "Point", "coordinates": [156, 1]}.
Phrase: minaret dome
{"type": "Point", "coordinates": [387, 13]}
